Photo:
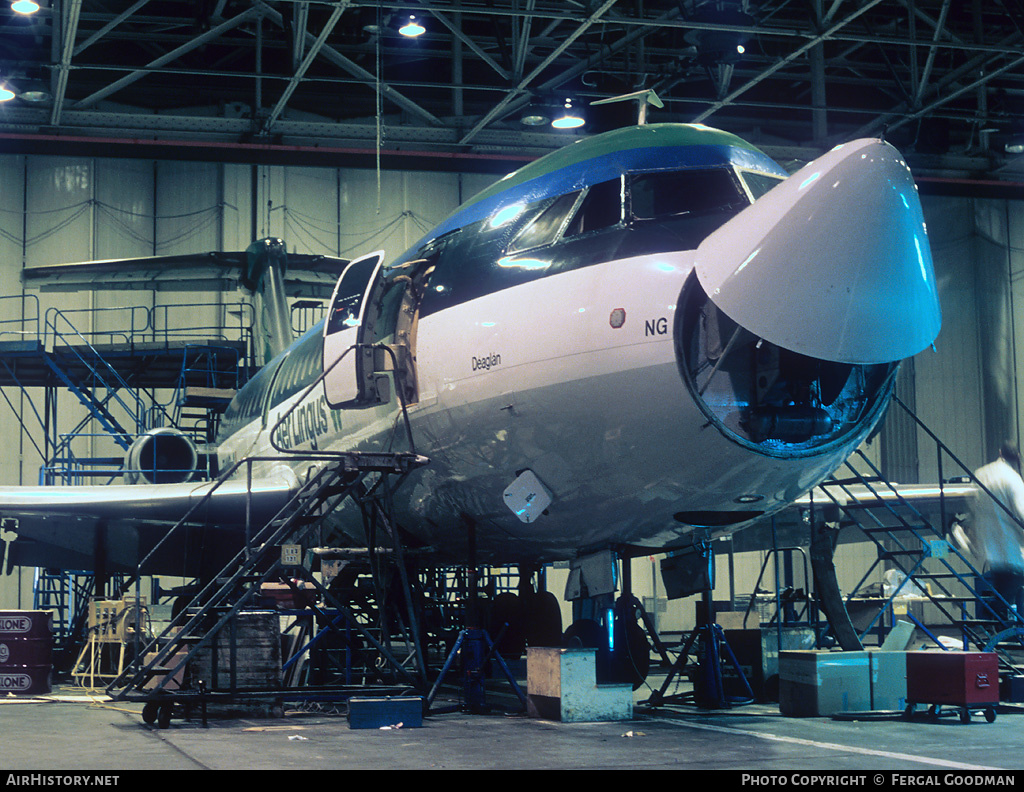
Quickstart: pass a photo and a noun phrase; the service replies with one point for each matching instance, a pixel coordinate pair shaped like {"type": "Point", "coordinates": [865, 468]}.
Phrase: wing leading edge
{"type": "Point", "coordinates": [114, 527]}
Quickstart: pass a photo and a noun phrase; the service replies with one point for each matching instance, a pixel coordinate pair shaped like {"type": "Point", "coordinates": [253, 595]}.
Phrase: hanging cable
{"type": "Point", "coordinates": [379, 103]}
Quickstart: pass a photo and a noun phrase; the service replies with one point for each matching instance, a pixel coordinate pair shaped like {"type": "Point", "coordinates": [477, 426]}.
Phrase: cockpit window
{"type": "Point", "coordinates": [601, 208]}
{"type": "Point", "coordinates": [545, 228]}
{"type": "Point", "coordinates": [683, 192]}
{"type": "Point", "coordinates": [759, 183]}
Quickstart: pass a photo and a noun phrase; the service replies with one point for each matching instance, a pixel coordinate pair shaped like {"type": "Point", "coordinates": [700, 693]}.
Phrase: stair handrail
{"type": "Point", "coordinates": [23, 319]}
{"type": "Point", "coordinates": [207, 589]}
{"type": "Point", "coordinates": [942, 447]}
{"type": "Point", "coordinates": [167, 329]}
{"type": "Point", "coordinates": [906, 526]}
{"type": "Point", "coordinates": [260, 539]}
{"type": "Point", "coordinates": [215, 591]}
{"type": "Point", "coordinates": [51, 318]}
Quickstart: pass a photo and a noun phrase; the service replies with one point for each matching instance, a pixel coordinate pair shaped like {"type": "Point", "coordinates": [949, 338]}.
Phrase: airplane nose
{"type": "Point", "coordinates": [832, 263]}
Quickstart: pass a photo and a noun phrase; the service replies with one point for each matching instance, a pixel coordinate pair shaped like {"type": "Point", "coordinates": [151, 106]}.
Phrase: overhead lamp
{"type": "Point", "coordinates": [6, 94]}
{"type": "Point", "coordinates": [569, 118]}
{"type": "Point", "coordinates": [412, 28]}
{"type": "Point", "coordinates": [25, 6]}
{"type": "Point", "coordinates": [533, 117]}
{"type": "Point", "coordinates": [31, 90]}
{"type": "Point", "coordinates": [1012, 137]}
{"type": "Point", "coordinates": [35, 96]}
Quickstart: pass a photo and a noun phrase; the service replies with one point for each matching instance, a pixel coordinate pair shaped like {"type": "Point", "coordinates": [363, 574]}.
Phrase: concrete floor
{"type": "Point", "coordinates": [72, 731]}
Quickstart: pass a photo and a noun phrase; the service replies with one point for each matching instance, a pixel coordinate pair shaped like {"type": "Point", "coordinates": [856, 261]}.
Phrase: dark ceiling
{"type": "Point", "coordinates": [308, 82]}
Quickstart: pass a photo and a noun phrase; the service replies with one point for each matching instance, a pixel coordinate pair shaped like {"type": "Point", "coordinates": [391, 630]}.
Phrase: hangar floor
{"type": "Point", "coordinates": [70, 731]}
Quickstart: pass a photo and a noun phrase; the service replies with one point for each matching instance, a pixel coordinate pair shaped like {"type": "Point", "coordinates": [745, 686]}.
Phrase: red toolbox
{"type": "Point", "coordinates": [968, 680]}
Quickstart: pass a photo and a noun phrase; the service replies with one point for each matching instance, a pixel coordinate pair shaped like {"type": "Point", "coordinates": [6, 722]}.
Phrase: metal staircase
{"type": "Point", "coordinates": [198, 625]}
{"type": "Point", "coordinates": [910, 527]}
{"type": "Point", "coordinates": [209, 378]}
{"type": "Point", "coordinates": [117, 381]}
{"type": "Point", "coordinates": [83, 371]}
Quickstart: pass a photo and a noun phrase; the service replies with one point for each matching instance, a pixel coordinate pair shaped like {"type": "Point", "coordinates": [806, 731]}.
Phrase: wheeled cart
{"type": "Point", "coordinates": [964, 681]}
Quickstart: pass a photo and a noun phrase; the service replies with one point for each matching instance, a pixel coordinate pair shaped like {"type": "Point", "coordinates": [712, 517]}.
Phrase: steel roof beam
{"type": "Point", "coordinates": [128, 79]}
{"type": "Point", "coordinates": [113, 23]}
{"type": "Point", "coordinates": [930, 61]}
{"type": "Point", "coordinates": [335, 57]}
{"type": "Point", "coordinates": [799, 51]}
{"type": "Point", "coordinates": [300, 23]}
{"type": "Point", "coordinates": [307, 61]}
{"type": "Point", "coordinates": [69, 29]}
{"type": "Point", "coordinates": [897, 116]}
{"type": "Point", "coordinates": [515, 92]}
{"type": "Point", "coordinates": [473, 46]}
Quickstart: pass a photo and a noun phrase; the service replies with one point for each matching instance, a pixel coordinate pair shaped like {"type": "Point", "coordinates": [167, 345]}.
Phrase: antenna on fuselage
{"type": "Point", "coordinates": [644, 98]}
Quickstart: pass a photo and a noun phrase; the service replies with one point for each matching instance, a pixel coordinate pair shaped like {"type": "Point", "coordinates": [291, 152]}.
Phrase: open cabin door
{"type": "Point", "coordinates": [374, 314]}
{"type": "Point", "coordinates": [345, 330]}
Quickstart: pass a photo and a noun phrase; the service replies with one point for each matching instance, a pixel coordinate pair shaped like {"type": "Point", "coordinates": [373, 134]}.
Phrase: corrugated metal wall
{"type": "Point", "coordinates": [66, 209]}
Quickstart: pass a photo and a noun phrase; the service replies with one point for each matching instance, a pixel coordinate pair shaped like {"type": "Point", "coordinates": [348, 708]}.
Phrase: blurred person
{"type": "Point", "coordinates": [995, 535]}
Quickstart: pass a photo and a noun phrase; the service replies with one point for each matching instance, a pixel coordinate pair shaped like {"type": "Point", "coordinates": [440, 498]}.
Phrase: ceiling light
{"type": "Point", "coordinates": [412, 28]}
{"type": "Point", "coordinates": [6, 94]}
{"type": "Point", "coordinates": [34, 97]}
{"type": "Point", "coordinates": [569, 119]}
{"type": "Point", "coordinates": [25, 6]}
{"type": "Point", "coordinates": [568, 122]}
{"type": "Point", "coordinates": [533, 118]}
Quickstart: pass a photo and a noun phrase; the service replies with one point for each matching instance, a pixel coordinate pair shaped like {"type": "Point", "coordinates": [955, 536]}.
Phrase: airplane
{"type": "Point", "coordinates": [649, 335]}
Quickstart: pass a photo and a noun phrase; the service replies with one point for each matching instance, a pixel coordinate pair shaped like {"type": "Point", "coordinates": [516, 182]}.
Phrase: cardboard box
{"type": "Point", "coordinates": [562, 685]}
{"type": "Point", "coordinates": [757, 652]}
{"type": "Point", "coordinates": [888, 680]}
{"type": "Point", "coordinates": [815, 683]}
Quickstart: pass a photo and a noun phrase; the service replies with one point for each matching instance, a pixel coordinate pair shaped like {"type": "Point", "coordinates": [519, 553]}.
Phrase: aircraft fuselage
{"type": "Point", "coordinates": [556, 325]}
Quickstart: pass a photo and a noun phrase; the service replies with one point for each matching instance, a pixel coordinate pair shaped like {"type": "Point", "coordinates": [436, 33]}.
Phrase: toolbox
{"type": "Point", "coordinates": [966, 680]}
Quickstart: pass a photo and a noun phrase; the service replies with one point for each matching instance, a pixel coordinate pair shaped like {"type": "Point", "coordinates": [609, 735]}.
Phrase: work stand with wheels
{"type": "Point", "coordinates": [207, 640]}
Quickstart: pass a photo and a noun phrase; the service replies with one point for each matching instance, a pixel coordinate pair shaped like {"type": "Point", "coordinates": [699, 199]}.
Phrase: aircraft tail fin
{"type": "Point", "coordinates": [263, 275]}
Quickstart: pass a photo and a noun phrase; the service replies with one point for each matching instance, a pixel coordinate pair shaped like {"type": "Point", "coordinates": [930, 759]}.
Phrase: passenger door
{"type": "Point", "coordinates": [348, 364]}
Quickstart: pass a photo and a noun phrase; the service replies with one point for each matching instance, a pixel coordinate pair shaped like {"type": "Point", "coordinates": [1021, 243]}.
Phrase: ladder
{"type": "Point", "coordinates": [208, 380]}
{"type": "Point", "coordinates": [917, 547]}
{"type": "Point", "coordinates": [226, 594]}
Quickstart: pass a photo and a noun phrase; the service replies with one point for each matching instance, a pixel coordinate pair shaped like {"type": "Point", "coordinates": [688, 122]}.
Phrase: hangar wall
{"type": "Point", "coordinates": [64, 209]}
{"type": "Point", "coordinates": [67, 209]}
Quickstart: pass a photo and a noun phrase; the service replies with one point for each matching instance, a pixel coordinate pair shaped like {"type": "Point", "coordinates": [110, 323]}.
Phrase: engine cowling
{"type": "Point", "coordinates": [161, 456]}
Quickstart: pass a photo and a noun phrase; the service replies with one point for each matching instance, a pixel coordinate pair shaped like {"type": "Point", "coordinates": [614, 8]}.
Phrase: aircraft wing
{"type": "Point", "coordinates": [115, 526]}
{"type": "Point", "coordinates": [307, 275]}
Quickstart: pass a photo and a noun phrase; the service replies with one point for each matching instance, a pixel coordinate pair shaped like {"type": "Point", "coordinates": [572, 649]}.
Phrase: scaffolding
{"type": "Point", "coordinates": [151, 367]}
